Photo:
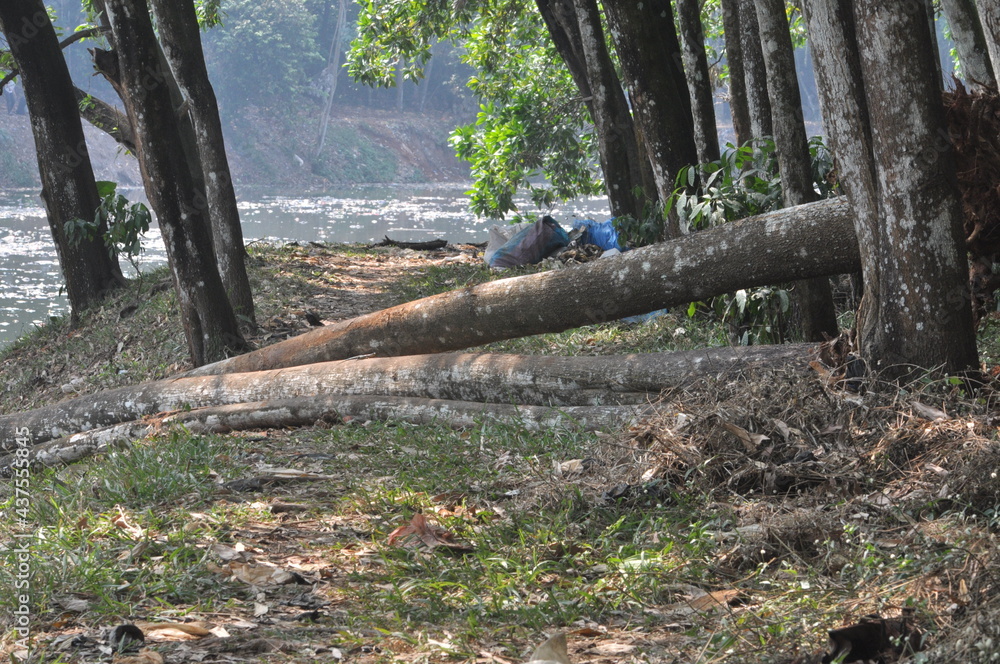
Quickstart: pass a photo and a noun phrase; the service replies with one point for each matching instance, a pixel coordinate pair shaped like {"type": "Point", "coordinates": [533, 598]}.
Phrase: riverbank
{"type": "Point", "coordinates": [740, 523]}
{"type": "Point", "coordinates": [371, 146]}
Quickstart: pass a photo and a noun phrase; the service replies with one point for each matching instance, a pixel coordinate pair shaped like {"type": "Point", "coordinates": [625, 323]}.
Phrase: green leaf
{"type": "Point", "coordinates": [105, 188]}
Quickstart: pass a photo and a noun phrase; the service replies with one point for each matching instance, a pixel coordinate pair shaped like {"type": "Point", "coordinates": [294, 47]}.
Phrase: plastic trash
{"type": "Point", "coordinates": [645, 318]}
{"type": "Point", "coordinates": [499, 236]}
{"type": "Point", "coordinates": [601, 233]}
{"type": "Point", "coordinates": [529, 245]}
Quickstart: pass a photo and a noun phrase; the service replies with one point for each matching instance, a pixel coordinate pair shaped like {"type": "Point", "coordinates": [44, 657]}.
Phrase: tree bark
{"type": "Point", "coordinates": [209, 322]}
{"type": "Point", "coordinates": [650, 56]}
{"type": "Point", "coordinates": [107, 118]}
{"type": "Point", "coordinates": [738, 108]}
{"type": "Point", "coordinates": [813, 298]}
{"type": "Point", "coordinates": [706, 133]}
{"type": "Point", "coordinates": [622, 167]}
{"type": "Point", "coordinates": [793, 243]}
{"type": "Point", "coordinates": [179, 34]}
{"type": "Point", "coordinates": [915, 309]}
{"type": "Point", "coordinates": [550, 381]}
{"type": "Point", "coordinates": [935, 49]}
{"type": "Point", "coordinates": [307, 411]}
{"type": "Point", "coordinates": [68, 187]}
{"type": "Point", "coordinates": [970, 40]}
{"type": "Point", "coordinates": [754, 72]}
{"type": "Point", "coordinates": [989, 16]}
{"type": "Point", "coordinates": [623, 161]}
{"type": "Point", "coordinates": [333, 71]}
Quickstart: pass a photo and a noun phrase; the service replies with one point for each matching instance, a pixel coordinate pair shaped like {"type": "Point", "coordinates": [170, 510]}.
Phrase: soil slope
{"type": "Point", "coordinates": [272, 150]}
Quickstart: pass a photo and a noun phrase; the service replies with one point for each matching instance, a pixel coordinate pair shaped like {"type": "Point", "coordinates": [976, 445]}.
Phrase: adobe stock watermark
{"type": "Point", "coordinates": [28, 30]}
{"type": "Point", "coordinates": [20, 552]}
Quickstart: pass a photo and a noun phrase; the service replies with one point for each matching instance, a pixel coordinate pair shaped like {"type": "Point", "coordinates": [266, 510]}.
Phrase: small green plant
{"type": "Point", "coordinates": [743, 183]}
{"type": "Point", "coordinates": [755, 316]}
{"type": "Point", "coordinates": [125, 224]}
{"type": "Point", "coordinates": [643, 231]}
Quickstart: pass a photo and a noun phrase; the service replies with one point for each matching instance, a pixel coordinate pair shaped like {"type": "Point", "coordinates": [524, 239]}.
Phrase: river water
{"type": "Point", "coordinates": [30, 280]}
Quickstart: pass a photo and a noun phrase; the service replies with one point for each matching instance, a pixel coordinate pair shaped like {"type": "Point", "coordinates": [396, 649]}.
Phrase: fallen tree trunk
{"type": "Point", "coordinates": [306, 411]}
{"type": "Point", "coordinates": [416, 246]}
{"type": "Point", "coordinates": [806, 241]}
{"type": "Point", "coordinates": [484, 378]}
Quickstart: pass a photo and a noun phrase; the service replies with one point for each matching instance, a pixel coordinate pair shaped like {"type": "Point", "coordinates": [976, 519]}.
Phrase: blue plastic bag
{"type": "Point", "coordinates": [601, 233]}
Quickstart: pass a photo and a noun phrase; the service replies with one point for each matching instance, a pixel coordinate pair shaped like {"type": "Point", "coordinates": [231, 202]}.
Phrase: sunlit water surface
{"type": "Point", "coordinates": [31, 283]}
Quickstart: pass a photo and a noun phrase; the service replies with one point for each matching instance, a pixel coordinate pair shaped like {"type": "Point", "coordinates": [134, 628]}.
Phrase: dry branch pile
{"type": "Point", "coordinates": [803, 462]}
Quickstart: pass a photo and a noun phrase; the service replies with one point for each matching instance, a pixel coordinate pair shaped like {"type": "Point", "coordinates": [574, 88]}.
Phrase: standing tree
{"type": "Point", "coordinates": [621, 162]}
{"type": "Point", "coordinates": [706, 134]}
{"type": "Point", "coordinates": [989, 15]}
{"type": "Point", "coordinates": [68, 187]}
{"type": "Point", "coordinates": [534, 77]}
{"type": "Point", "coordinates": [332, 73]}
{"type": "Point", "coordinates": [883, 109]}
{"type": "Point", "coordinates": [754, 72]}
{"type": "Point", "coordinates": [813, 297]}
{"type": "Point", "coordinates": [134, 67]}
{"type": "Point", "coordinates": [970, 41]}
{"type": "Point", "coordinates": [738, 107]}
{"type": "Point", "coordinates": [650, 55]}
{"type": "Point", "coordinates": [179, 35]}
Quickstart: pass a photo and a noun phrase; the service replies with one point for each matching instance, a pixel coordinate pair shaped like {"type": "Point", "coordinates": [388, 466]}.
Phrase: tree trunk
{"type": "Point", "coordinates": [68, 187]}
{"type": "Point", "coordinates": [794, 243]}
{"type": "Point", "coordinates": [915, 310]}
{"type": "Point", "coordinates": [209, 322]}
{"type": "Point", "coordinates": [813, 298]}
{"type": "Point", "coordinates": [989, 16]}
{"type": "Point", "coordinates": [427, 80]}
{"type": "Point", "coordinates": [706, 134]}
{"type": "Point", "coordinates": [556, 381]}
{"type": "Point", "coordinates": [333, 71]}
{"type": "Point", "coordinates": [649, 52]}
{"type": "Point", "coordinates": [754, 72]}
{"type": "Point", "coordinates": [970, 40]}
{"type": "Point", "coordinates": [612, 120]}
{"type": "Point", "coordinates": [399, 84]}
{"type": "Point", "coordinates": [181, 40]}
{"type": "Point", "coordinates": [935, 48]}
{"type": "Point", "coordinates": [738, 108]}
{"type": "Point", "coordinates": [107, 118]}
{"type": "Point", "coordinates": [307, 411]}
{"type": "Point", "coordinates": [623, 162]}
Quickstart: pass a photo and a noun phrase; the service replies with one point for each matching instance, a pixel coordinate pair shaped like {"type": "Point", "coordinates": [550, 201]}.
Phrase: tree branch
{"type": "Point", "coordinates": [75, 37]}
{"type": "Point", "coordinates": [107, 118]}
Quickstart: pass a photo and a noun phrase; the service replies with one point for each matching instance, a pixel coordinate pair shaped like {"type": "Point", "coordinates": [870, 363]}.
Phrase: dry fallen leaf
{"type": "Point", "coordinates": [553, 651]}
{"type": "Point", "coordinates": [928, 412]}
{"type": "Point", "coordinates": [420, 531]}
{"type": "Point", "coordinates": [171, 631]}
{"type": "Point", "coordinates": [144, 657]}
{"type": "Point", "coordinates": [121, 521]}
{"type": "Point", "coordinates": [227, 553]}
{"type": "Point", "coordinates": [573, 467]}
{"type": "Point", "coordinates": [73, 604]}
{"type": "Point", "coordinates": [750, 440]}
{"type": "Point", "coordinates": [714, 599]}
{"type": "Point", "coordinates": [259, 574]}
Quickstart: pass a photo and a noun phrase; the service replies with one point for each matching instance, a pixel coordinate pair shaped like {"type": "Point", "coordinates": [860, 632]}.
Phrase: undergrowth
{"type": "Point", "coordinates": [740, 523]}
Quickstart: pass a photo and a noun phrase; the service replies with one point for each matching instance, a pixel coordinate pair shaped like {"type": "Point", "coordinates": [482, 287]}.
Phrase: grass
{"type": "Point", "coordinates": [672, 542]}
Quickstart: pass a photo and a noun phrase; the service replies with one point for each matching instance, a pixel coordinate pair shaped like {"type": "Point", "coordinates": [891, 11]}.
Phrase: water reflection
{"type": "Point", "coordinates": [31, 284]}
